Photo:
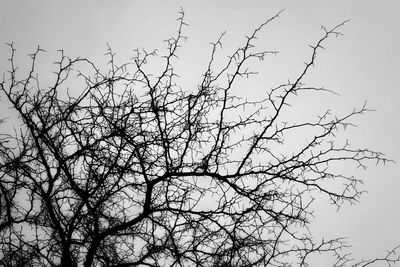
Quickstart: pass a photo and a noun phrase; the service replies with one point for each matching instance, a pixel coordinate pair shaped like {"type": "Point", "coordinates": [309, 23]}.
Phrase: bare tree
{"type": "Point", "coordinates": [129, 169]}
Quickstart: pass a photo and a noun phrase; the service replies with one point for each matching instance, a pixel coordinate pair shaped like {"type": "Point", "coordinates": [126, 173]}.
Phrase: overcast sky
{"type": "Point", "coordinates": [364, 64]}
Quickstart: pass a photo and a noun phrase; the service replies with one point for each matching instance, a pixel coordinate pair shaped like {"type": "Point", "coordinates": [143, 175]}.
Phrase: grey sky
{"type": "Point", "coordinates": [364, 64]}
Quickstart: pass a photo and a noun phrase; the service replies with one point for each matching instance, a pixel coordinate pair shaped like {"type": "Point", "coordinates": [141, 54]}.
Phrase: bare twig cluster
{"type": "Point", "coordinates": [132, 170]}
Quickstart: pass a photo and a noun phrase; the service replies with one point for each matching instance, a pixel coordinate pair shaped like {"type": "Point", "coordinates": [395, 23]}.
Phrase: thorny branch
{"type": "Point", "coordinates": [128, 169]}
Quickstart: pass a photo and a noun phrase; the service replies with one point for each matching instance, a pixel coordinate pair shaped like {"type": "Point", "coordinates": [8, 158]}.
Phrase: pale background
{"type": "Point", "coordinates": [364, 64]}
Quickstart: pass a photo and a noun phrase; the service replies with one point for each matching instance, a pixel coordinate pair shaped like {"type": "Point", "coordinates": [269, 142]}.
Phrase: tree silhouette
{"type": "Point", "coordinates": [124, 167]}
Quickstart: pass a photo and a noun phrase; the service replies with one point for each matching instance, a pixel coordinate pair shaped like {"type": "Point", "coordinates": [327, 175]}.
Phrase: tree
{"type": "Point", "coordinates": [129, 169]}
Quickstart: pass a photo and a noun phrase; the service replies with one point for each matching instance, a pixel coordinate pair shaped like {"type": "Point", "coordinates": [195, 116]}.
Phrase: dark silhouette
{"type": "Point", "coordinates": [125, 168]}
